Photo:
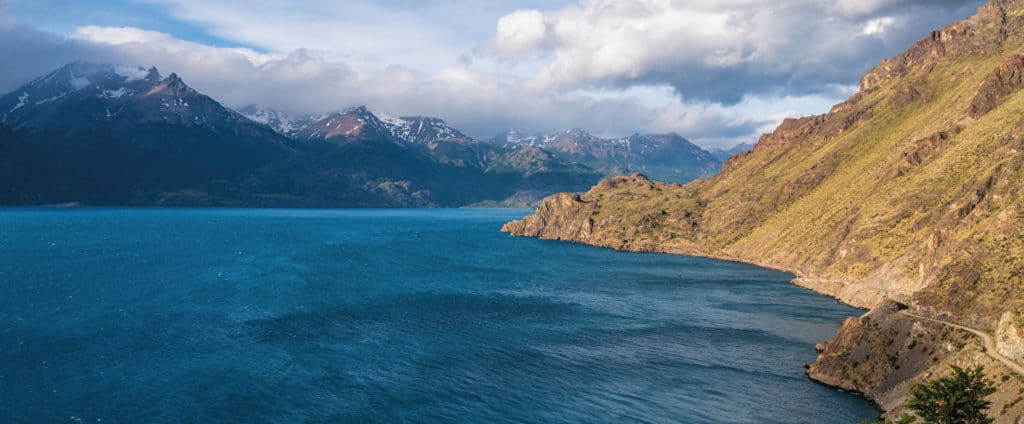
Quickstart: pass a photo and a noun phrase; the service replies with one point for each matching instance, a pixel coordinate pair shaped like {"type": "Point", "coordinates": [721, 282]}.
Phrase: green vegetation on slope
{"type": "Point", "coordinates": [958, 398]}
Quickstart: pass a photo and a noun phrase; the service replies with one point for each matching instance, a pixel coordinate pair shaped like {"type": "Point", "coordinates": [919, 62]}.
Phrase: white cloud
{"type": "Point", "coordinates": [879, 25]}
{"type": "Point", "coordinates": [118, 35]}
{"type": "Point", "coordinates": [480, 102]}
{"type": "Point", "coordinates": [521, 31]}
{"type": "Point", "coordinates": [149, 40]}
{"type": "Point", "coordinates": [365, 32]}
{"type": "Point", "coordinates": [718, 51]}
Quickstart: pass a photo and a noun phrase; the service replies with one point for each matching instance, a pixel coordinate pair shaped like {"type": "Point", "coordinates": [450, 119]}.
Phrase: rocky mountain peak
{"type": "Point", "coordinates": [107, 82]}
{"type": "Point", "coordinates": [579, 133]}
{"type": "Point", "coordinates": [424, 129]}
{"type": "Point", "coordinates": [103, 79]}
{"type": "Point", "coordinates": [172, 85]}
{"type": "Point", "coordinates": [360, 112]}
{"type": "Point", "coordinates": [997, 23]}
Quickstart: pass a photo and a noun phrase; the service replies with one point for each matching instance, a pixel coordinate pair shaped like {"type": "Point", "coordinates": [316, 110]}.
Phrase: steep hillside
{"type": "Point", "coordinates": [911, 190]}
{"type": "Point", "coordinates": [105, 134]}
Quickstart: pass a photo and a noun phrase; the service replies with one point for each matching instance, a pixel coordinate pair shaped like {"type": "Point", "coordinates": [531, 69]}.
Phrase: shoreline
{"type": "Point", "coordinates": [796, 276]}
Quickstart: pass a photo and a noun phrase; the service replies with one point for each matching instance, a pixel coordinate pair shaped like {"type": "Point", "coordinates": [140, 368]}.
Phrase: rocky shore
{"type": "Point", "coordinates": [879, 355]}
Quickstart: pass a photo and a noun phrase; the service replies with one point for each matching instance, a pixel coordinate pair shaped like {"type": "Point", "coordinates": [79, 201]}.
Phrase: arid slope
{"type": "Point", "coordinates": [910, 191]}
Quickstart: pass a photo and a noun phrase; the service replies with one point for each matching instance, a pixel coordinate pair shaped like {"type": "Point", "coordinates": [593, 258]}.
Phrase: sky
{"type": "Point", "coordinates": [718, 72]}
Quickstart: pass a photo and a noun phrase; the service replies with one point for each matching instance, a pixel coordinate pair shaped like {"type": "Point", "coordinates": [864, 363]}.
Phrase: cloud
{"type": "Point", "coordinates": [479, 102]}
{"type": "Point", "coordinates": [421, 34]}
{"type": "Point", "coordinates": [521, 31]}
{"type": "Point", "coordinates": [878, 26]}
{"type": "Point", "coordinates": [717, 73]}
{"type": "Point", "coordinates": [718, 51]}
{"type": "Point", "coordinates": [129, 38]}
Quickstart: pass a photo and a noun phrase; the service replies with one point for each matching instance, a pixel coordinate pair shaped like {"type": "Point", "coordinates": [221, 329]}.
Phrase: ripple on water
{"type": "Point", "coordinates": [409, 315]}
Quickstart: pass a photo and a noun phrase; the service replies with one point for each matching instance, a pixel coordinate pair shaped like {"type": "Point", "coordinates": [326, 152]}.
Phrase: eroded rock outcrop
{"type": "Point", "coordinates": [563, 216]}
{"type": "Point", "coordinates": [1010, 336]}
{"type": "Point", "coordinates": [876, 353]}
{"type": "Point", "coordinates": [1005, 80]}
{"type": "Point", "coordinates": [984, 34]}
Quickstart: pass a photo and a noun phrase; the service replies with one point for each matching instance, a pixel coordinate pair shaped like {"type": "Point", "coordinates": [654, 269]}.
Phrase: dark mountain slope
{"type": "Point", "coordinates": [108, 136]}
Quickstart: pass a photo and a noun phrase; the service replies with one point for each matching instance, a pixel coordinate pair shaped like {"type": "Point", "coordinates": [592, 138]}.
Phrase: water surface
{"type": "Point", "coordinates": [209, 315]}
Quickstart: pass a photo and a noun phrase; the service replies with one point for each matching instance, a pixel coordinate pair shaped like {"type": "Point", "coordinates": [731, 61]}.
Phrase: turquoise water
{"type": "Point", "coordinates": [214, 315]}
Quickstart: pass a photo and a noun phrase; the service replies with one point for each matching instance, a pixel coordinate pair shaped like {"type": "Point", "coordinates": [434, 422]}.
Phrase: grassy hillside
{"type": "Point", "coordinates": [910, 190]}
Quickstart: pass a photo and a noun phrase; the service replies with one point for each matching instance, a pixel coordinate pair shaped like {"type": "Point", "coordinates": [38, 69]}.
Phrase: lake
{"type": "Point", "coordinates": [428, 315]}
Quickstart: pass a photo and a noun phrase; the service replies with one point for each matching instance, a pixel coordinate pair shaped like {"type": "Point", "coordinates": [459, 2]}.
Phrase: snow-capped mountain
{"type": "Point", "coordinates": [125, 135]}
{"type": "Point", "coordinates": [282, 122]}
{"type": "Point", "coordinates": [433, 136]}
{"type": "Point", "coordinates": [665, 157]}
{"type": "Point", "coordinates": [357, 122]}
{"type": "Point", "coordinates": [112, 134]}
{"type": "Point", "coordinates": [118, 135]}
{"type": "Point", "coordinates": [513, 139]}
{"type": "Point", "coordinates": [108, 82]}
{"type": "Point", "coordinates": [85, 96]}
{"type": "Point", "coordinates": [353, 122]}
{"type": "Point", "coordinates": [423, 130]}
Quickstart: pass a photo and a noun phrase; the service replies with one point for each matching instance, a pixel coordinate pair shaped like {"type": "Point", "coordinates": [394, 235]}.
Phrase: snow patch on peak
{"type": "Point", "coordinates": [114, 94]}
{"type": "Point", "coordinates": [282, 122]}
{"type": "Point", "coordinates": [22, 100]}
{"type": "Point", "coordinates": [261, 114]}
{"type": "Point", "coordinates": [50, 99]}
{"type": "Point", "coordinates": [391, 120]}
{"type": "Point", "coordinates": [358, 110]}
{"type": "Point", "coordinates": [79, 83]}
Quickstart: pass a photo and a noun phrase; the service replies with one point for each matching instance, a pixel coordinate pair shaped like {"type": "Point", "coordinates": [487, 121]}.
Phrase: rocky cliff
{"type": "Point", "coordinates": [909, 191]}
{"type": "Point", "coordinates": [1010, 336]}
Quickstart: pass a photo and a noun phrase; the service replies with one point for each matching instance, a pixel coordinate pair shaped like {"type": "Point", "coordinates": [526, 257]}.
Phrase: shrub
{"type": "Point", "coordinates": [958, 398]}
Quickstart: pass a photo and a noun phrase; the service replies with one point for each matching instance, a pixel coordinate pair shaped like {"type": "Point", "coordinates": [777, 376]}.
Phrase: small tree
{"type": "Point", "coordinates": [955, 399]}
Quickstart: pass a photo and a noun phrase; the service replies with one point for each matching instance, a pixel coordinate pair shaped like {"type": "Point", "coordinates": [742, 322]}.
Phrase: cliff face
{"type": "Point", "coordinates": [563, 216]}
{"type": "Point", "coordinates": [1010, 336]}
{"type": "Point", "coordinates": [911, 190]}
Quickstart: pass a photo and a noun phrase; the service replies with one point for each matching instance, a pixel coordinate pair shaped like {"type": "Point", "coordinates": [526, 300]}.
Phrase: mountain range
{"type": "Point", "coordinates": [724, 154]}
{"type": "Point", "coordinates": [907, 198]}
{"type": "Point", "coordinates": [126, 135]}
{"type": "Point", "coordinates": [664, 157]}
